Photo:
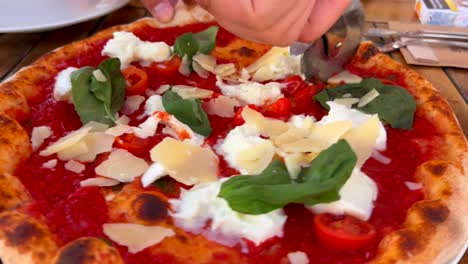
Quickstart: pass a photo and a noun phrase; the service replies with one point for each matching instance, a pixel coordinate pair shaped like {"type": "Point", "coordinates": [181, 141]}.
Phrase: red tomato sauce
{"type": "Point", "coordinates": [73, 212]}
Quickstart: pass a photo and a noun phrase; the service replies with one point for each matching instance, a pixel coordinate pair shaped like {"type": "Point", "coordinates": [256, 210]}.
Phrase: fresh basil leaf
{"type": "Point", "coordinates": [394, 105]}
{"type": "Point", "coordinates": [206, 39]}
{"type": "Point", "coordinates": [273, 189]}
{"type": "Point", "coordinates": [111, 69]}
{"type": "Point", "coordinates": [108, 96]}
{"type": "Point", "coordinates": [88, 107]}
{"type": "Point", "coordinates": [189, 44]}
{"type": "Point", "coordinates": [166, 185]}
{"type": "Point", "coordinates": [187, 111]}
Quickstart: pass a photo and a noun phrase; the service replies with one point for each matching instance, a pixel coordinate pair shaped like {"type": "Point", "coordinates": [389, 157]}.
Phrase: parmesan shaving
{"type": "Point", "coordinates": [39, 135]}
{"type": "Point", "coordinates": [413, 186]}
{"type": "Point", "coordinates": [186, 163]}
{"type": "Point", "coordinates": [74, 166]}
{"type": "Point", "coordinates": [367, 98]}
{"type": "Point", "coordinates": [189, 92]}
{"type": "Point", "coordinates": [66, 141]}
{"type": "Point", "coordinates": [221, 106]}
{"type": "Point", "coordinates": [50, 164]}
{"type": "Point", "coordinates": [122, 166]}
{"type": "Point", "coordinates": [99, 181]}
{"type": "Point", "coordinates": [100, 77]}
{"type": "Point", "coordinates": [136, 237]}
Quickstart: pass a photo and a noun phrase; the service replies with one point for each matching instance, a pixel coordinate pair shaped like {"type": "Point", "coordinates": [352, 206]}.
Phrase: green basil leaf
{"type": "Point", "coordinates": [187, 111]}
{"type": "Point", "coordinates": [166, 185]}
{"type": "Point", "coordinates": [394, 105]}
{"type": "Point", "coordinates": [88, 107]}
{"type": "Point", "coordinates": [108, 96]}
{"type": "Point", "coordinates": [273, 189]}
{"type": "Point", "coordinates": [190, 44]}
{"type": "Point", "coordinates": [111, 69]}
{"type": "Point", "coordinates": [206, 39]}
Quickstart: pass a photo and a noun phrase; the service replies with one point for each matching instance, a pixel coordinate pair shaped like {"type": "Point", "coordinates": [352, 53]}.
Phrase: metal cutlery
{"type": "Point", "coordinates": [436, 34]}
{"type": "Point", "coordinates": [392, 46]}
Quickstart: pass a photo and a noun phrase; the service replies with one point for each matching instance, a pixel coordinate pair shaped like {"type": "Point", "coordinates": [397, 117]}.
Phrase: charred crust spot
{"type": "Point", "coordinates": [150, 207]}
{"type": "Point", "coordinates": [77, 252]}
{"type": "Point", "coordinates": [435, 214]}
{"type": "Point", "coordinates": [246, 52]}
{"type": "Point", "coordinates": [370, 52]}
{"type": "Point", "coordinates": [5, 121]}
{"type": "Point", "coordinates": [181, 238]}
{"type": "Point", "coordinates": [438, 169]}
{"type": "Point", "coordinates": [22, 233]}
{"type": "Point", "coordinates": [410, 241]}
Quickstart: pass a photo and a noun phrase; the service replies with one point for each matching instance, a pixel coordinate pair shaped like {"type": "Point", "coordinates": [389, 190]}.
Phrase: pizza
{"type": "Point", "coordinates": [182, 143]}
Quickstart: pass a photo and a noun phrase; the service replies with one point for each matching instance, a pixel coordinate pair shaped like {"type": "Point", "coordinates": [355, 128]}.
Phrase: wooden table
{"type": "Point", "coordinates": [19, 50]}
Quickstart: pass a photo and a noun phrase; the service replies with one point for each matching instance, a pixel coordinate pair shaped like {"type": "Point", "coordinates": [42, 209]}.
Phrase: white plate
{"type": "Point", "coordinates": [39, 15]}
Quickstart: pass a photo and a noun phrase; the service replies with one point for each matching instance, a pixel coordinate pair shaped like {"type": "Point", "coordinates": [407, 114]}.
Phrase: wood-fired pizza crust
{"type": "Point", "coordinates": [434, 231]}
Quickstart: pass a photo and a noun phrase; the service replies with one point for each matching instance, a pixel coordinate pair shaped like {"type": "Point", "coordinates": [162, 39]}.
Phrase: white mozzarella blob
{"type": "Point", "coordinates": [154, 104]}
{"type": "Point", "coordinates": [252, 92]}
{"type": "Point", "coordinates": [201, 204]}
{"type": "Point", "coordinates": [357, 198]}
{"type": "Point", "coordinates": [129, 48]}
{"type": "Point", "coordinates": [63, 86]}
{"type": "Point", "coordinates": [244, 150]}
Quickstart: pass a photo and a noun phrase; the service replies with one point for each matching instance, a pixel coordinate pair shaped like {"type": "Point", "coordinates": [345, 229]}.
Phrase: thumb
{"type": "Point", "coordinates": [162, 10]}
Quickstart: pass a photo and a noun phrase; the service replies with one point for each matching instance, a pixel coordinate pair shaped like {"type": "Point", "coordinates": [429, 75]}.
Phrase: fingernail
{"type": "Point", "coordinates": [163, 11]}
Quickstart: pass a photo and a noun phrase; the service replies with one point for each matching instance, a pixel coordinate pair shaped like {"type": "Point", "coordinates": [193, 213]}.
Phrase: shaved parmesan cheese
{"type": "Point", "coordinates": [267, 58]}
{"type": "Point", "coordinates": [267, 127]}
{"type": "Point", "coordinates": [363, 138]}
{"type": "Point", "coordinates": [413, 186]}
{"type": "Point", "coordinates": [99, 181]}
{"type": "Point", "coordinates": [63, 86]}
{"type": "Point", "coordinates": [348, 102]}
{"type": "Point", "coordinates": [100, 77]}
{"type": "Point", "coordinates": [73, 151]}
{"type": "Point", "coordinates": [97, 127]}
{"type": "Point", "coordinates": [162, 89]}
{"type": "Point", "coordinates": [38, 135]}
{"type": "Point", "coordinates": [244, 150]}
{"type": "Point", "coordinates": [298, 257]}
{"type": "Point", "coordinates": [74, 166]}
{"type": "Point", "coordinates": [123, 120]}
{"type": "Point", "coordinates": [357, 198]}
{"type": "Point", "coordinates": [189, 92]}
{"type": "Point", "coordinates": [155, 172]}
{"type": "Point", "coordinates": [184, 68]}
{"type": "Point", "coordinates": [132, 104]}
{"type": "Point", "coordinates": [147, 128]}
{"type": "Point", "coordinates": [136, 237]}
{"type": "Point", "coordinates": [96, 143]}
{"type": "Point", "coordinates": [252, 92]}
{"type": "Point", "coordinates": [122, 166]}
{"type": "Point", "coordinates": [50, 164]}
{"type": "Point", "coordinates": [181, 131]}
{"type": "Point", "coordinates": [200, 70]}
{"type": "Point", "coordinates": [185, 162]}
{"type": "Point", "coordinates": [225, 69]}
{"type": "Point", "coordinates": [293, 164]}
{"type": "Point", "coordinates": [207, 62]}
{"type": "Point", "coordinates": [66, 141]}
{"type": "Point", "coordinates": [119, 130]}
{"type": "Point", "coordinates": [221, 106]}
{"type": "Point", "coordinates": [342, 113]}
{"type": "Point", "coordinates": [381, 158]}
{"type": "Point", "coordinates": [346, 77]}
{"type": "Point", "coordinates": [302, 121]}
{"type": "Point", "coordinates": [368, 97]}
{"type": "Point", "coordinates": [154, 104]}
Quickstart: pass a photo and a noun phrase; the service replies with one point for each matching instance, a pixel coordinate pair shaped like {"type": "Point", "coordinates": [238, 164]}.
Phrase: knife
{"type": "Point", "coordinates": [327, 55]}
{"type": "Point", "coordinates": [379, 33]}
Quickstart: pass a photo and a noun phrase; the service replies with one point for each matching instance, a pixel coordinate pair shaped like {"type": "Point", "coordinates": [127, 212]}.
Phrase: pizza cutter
{"type": "Point", "coordinates": [327, 55]}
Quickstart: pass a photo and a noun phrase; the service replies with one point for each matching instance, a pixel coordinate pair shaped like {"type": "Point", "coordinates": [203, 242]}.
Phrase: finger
{"type": "Point", "coordinates": [322, 17]}
{"type": "Point", "coordinates": [162, 10]}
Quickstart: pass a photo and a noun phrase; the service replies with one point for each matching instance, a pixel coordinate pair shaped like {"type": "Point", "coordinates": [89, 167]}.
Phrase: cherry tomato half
{"type": "Point", "coordinates": [238, 119]}
{"type": "Point", "coordinates": [292, 84]}
{"type": "Point", "coordinates": [167, 67]}
{"type": "Point", "coordinates": [132, 143]}
{"type": "Point", "coordinates": [279, 109]}
{"type": "Point", "coordinates": [343, 233]}
{"type": "Point", "coordinates": [137, 80]}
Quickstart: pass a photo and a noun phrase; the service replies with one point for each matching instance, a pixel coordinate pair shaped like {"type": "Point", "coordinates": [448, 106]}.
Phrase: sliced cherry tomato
{"type": "Point", "coordinates": [292, 84]}
{"type": "Point", "coordinates": [343, 233]}
{"type": "Point", "coordinates": [167, 67]}
{"type": "Point", "coordinates": [238, 119]}
{"type": "Point", "coordinates": [137, 79]}
{"type": "Point", "coordinates": [132, 143]}
{"type": "Point", "coordinates": [279, 109]}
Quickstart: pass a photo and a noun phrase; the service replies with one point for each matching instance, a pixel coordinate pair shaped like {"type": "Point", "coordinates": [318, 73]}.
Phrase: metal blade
{"type": "Point", "coordinates": [327, 55]}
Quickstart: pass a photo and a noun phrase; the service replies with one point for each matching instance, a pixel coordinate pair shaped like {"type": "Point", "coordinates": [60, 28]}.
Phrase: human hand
{"type": "Point", "coordinates": [162, 10]}
{"type": "Point", "coordinates": [276, 22]}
